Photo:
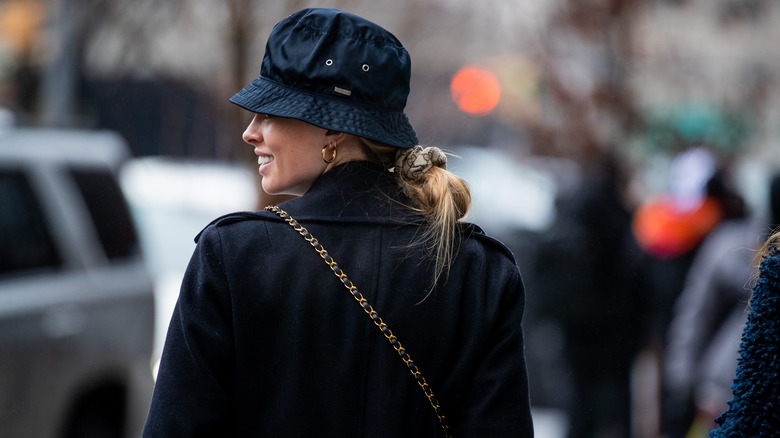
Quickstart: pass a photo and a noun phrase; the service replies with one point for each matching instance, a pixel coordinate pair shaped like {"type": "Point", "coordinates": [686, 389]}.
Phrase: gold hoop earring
{"type": "Point", "coordinates": [333, 157]}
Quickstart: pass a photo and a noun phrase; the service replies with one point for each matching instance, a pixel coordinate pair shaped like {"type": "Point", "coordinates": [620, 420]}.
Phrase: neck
{"type": "Point", "coordinates": [349, 150]}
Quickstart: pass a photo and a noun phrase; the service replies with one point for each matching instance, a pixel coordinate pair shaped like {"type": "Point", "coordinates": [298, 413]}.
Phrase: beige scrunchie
{"type": "Point", "coordinates": [411, 164]}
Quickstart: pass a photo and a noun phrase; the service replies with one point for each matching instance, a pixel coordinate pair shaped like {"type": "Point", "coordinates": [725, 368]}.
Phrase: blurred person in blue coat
{"type": "Point", "coordinates": [266, 341]}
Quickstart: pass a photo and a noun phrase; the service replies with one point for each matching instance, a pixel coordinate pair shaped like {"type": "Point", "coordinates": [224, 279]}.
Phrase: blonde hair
{"type": "Point", "coordinates": [441, 197]}
{"type": "Point", "coordinates": [772, 242]}
{"type": "Point", "coordinates": [771, 245]}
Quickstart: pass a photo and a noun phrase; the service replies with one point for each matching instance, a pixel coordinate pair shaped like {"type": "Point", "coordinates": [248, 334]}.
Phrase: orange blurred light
{"type": "Point", "coordinates": [20, 22]}
{"type": "Point", "coordinates": [475, 90]}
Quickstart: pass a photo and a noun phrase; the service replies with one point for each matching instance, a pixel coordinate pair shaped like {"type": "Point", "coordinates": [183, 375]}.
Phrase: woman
{"type": "Point", "coordinates": [266, 341]}
{"type": "Point", "coordinates": [754, 411]}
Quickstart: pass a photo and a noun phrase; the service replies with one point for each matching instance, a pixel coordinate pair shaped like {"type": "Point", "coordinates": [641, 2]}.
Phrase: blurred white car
{"type": "Point", "coordinates": [172, 200]}
{"type": "Point", "coordinates": [76, 299]}
{"type": "Point", "coordinates": [509, 191]}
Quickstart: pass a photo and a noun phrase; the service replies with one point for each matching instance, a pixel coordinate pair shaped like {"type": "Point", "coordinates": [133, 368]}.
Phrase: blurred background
{"type": "Point", "coordinates": [607, 142]}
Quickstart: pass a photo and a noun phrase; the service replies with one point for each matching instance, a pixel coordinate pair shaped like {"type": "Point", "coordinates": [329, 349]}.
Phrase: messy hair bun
{"type": "Point", "coordinates": [439, 195]}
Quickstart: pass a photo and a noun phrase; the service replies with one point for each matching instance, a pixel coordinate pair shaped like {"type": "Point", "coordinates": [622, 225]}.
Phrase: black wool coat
{"type": "Point", "coordinates": [265, 341]}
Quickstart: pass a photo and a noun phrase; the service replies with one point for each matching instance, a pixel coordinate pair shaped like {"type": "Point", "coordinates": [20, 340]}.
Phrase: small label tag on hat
{"type": "Point", "coordinates": [342, 91]}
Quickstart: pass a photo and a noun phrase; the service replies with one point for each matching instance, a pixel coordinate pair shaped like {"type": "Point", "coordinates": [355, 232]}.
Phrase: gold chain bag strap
{"type": "Point", "coordinates": [418, 377]}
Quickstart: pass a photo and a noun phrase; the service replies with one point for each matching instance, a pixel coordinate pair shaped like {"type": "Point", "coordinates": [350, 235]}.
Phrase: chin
{"type": "Point", "coordinates": [279, 192]}
{"type": "Point", "coordinates": [271, 188]}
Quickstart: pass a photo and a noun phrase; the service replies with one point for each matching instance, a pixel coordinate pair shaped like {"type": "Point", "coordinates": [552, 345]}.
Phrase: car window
{"type": "Point", "coordinates": [109, 212]}
{"type": "Point", "coordinates": [25, 239]}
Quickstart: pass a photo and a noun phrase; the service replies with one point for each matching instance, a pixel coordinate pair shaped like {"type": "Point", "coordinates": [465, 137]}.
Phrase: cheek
{"type": "Point", "coordinates": [300, 170]}
{"type": "Point", "coordinates": [308, 155]}
{"type": "Point", "coordinates": [309, 166]}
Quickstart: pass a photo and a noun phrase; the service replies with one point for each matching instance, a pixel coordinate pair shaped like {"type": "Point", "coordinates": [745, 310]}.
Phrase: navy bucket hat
{"type": "Point", "coordinates": [335, 70]}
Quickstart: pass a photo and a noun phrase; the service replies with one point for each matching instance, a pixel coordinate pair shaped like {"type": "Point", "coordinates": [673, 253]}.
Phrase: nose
{"type": "Point", "coordinates": [253, 134]}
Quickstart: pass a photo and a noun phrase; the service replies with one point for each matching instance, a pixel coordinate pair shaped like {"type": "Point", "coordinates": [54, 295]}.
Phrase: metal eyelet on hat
{"type": "Point", "coordinates": [329, 62]}
{"type": "Point", "coordinates": [366, 67]}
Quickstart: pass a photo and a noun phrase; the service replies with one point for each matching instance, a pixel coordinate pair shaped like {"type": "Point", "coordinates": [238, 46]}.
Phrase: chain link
{"type": "Point", "coordinates": [375, 318]}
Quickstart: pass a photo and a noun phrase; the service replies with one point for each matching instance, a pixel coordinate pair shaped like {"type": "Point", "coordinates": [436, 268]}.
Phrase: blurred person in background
{"type": "Point", "coordinates": [709, 316]}
{"type": "Point", "coordinates": [586, 273]}
{"type": "Point", "coordinates": [753, 409]}
{"type": "Point", "coordinates": [671, 227]}
{"type": "Point", "coordinates": [265, 341]}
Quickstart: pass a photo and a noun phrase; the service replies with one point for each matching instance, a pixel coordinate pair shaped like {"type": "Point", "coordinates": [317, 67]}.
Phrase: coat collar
{"type": "Point", "coordinates": [354, 192]}
{"type": "Point", "coordinates": [357, 191]}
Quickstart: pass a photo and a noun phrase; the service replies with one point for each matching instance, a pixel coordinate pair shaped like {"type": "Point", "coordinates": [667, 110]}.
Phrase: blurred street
{"type": "Point", "coordinates": [626, 151]}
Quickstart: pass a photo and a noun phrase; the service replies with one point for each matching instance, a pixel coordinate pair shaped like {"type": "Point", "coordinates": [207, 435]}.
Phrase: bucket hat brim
{"type": "Point", "coordinates": [265, 96]}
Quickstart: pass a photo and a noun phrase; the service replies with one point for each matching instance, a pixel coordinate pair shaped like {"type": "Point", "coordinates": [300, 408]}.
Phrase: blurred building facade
{"type": "Point", "coordinates": [576, 76]}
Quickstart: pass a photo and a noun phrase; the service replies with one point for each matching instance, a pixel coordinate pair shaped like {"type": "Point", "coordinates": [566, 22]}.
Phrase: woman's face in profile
{"type": "Point", "coordinates": [288, 151]}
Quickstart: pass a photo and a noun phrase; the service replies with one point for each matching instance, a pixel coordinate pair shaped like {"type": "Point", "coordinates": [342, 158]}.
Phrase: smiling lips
{"type": "Point", "coordinates": [263, 159]}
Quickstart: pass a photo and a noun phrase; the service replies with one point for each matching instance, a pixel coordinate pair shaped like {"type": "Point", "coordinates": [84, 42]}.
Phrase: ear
{"type": "Point", "coordinates": [334, 137]}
